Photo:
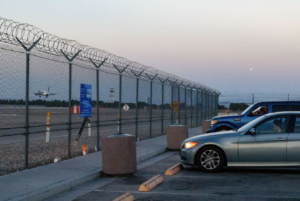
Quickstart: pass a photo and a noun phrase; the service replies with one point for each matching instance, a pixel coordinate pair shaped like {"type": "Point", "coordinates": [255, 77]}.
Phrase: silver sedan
{"type": "Point", "coordinates": [270, 140]}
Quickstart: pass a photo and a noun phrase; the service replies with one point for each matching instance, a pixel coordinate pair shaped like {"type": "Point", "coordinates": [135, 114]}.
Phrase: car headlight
{"type": "Point", "coordinates": [213, 122]}
{"type": "Point", "coordinates": [188, 145]}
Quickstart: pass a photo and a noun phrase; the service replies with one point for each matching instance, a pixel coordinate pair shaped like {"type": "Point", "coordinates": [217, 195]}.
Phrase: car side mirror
{"type": "Point", "coordinates": [250, 114]}
{"type": "Point", "coordinates": [252, 131]}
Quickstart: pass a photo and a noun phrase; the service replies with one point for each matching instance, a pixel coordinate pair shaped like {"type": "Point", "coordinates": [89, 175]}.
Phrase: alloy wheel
{"type": "Point", "coordinates": [210, 159]}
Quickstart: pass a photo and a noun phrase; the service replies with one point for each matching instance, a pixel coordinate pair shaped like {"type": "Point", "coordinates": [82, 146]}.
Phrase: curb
{"type": "Point", "coordinates": [62, 186]}
{"type": "Point", "coordinates": [174, 169]}
{"type": "Point", "coordinates": [151, 183]}
{"type": "Point", "coordinates": [125, 197]}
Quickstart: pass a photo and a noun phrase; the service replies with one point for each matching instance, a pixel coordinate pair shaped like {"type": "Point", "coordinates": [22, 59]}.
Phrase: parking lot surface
{"type": "Point", "coordinates": [192, 184]}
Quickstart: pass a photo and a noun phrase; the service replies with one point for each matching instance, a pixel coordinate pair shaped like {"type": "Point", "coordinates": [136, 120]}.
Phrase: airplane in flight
{"type": "Point", "coordinates": [44, 93]}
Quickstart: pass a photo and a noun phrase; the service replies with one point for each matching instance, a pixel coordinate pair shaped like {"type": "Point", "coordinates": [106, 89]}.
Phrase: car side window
{"type": "Point", "coordinates": [281, 108]}
{"type": "Point", "coordinates": [259, 110]}
{"type": "Point", "coordinates": [297, 125]}
{"type": "Point", "coordinates": [295, 107]}
{"type": "Point", "coordinates": [273, 125]}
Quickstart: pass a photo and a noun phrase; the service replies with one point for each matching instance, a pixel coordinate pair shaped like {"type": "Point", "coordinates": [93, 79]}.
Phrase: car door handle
{"type": "Point", "coordinates": [280, 139]}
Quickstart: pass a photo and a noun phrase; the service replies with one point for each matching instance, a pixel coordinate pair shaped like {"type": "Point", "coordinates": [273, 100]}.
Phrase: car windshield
{"type": "Point", "coordinates": [251, 124]}
{"type": "Point", "coordinates": [246, 110]}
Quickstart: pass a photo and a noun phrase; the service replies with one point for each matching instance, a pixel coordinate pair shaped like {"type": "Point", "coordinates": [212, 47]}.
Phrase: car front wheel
{"type": "Point", "coordinates": [210, 159]}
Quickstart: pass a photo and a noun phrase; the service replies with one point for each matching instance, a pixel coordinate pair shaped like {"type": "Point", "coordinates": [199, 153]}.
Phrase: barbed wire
{"type": "Point", "coordinates": [53, 45]}
{"type": "Point", "coordinates": [260, 94]}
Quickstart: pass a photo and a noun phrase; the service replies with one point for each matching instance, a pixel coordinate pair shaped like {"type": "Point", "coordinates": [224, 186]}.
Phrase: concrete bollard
{"type": "Point", "coordinates": [175, 136]}
{"type": "Point", "coordinates": [119, 154]}
{"type": "Point", "coordinates": [205, 126]}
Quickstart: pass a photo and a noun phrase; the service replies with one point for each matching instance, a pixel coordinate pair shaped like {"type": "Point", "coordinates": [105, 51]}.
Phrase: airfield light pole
{"type": "Point", "coordinates": [70, 98]}
{"type": "Point", "coordinates": [162, 102]}
{"type": "Point", "coordinates": [27, 97]}
{"type": "Point", "coordinates": [97, 104]}
{"type": "Point", "coordinates": [137, 75]}
{"type": "Point", "coordinates": [151, 86]}
{"type": "Point", "coordinates": [120, 96]}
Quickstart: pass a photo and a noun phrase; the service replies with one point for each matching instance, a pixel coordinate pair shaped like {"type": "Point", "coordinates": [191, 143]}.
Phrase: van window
{"type": "Point", "coordinates": [280, 108]}
{"type": "Point", "coordinates": [297, 125]}
{"type": "Point", "coordinates": [295, 107]}
{"type": "Point", "coordinates": [259, 110]}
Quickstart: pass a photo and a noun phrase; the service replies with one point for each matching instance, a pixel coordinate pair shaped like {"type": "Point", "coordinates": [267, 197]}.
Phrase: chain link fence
{"type": "Point", "coordinates": [40, 94]}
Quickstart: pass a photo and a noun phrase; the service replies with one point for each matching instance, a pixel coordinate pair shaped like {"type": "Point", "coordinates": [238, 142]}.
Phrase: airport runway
{"type": "Point", "coordinates": [12, 148]}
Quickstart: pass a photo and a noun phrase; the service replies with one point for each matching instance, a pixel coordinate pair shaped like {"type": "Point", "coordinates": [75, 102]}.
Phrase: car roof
{"type": "Point", "coordinates": [265, 102]}
{"type": "Point", "coordinates": [283, 113]}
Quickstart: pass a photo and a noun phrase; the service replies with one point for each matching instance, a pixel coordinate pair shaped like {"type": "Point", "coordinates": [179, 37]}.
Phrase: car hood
{"type": "Point", "coordinates": [227, 116]}
{"type": "Point", "coordinates": [211, 135]}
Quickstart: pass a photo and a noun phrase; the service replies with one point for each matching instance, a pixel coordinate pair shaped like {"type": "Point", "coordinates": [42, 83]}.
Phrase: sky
{"type": "Point", "coordinates": [247, 46]}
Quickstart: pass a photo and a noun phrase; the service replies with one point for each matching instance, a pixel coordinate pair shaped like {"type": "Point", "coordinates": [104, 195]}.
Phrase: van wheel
{"type": "Point", "coordinates": [223, 128]}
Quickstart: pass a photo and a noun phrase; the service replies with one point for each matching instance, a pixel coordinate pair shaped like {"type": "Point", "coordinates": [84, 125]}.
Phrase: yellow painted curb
{"type": "Point", "coordinates": [151, 183]}
{"type": "Point", "coordinates": [125, 197]}
{"type": "Point", "coordinates": [174, 169]}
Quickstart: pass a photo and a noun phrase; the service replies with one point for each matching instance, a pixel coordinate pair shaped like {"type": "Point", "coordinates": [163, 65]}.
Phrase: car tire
{"type": "Point", "coordinates": [222, 128]}
{"type": "Point", "coordinates": [210, 159]}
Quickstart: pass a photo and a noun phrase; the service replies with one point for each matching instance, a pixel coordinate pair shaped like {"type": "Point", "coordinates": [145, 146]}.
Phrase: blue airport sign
{"type": "Point", "coordinates": [85, 100]}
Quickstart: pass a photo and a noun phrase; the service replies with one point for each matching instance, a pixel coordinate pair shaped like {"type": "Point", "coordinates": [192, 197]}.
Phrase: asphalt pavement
{"type": "Point", "coordinates": [49, 180]}
{"type": "Point", "coordinates": [192, 184]}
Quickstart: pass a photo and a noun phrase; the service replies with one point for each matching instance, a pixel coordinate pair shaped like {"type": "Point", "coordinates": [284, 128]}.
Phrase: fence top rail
{"type": "Point", "coordinates": [11, 32]}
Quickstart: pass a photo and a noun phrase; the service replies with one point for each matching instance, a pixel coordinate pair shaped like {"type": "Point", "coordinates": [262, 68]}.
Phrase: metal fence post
{"type": "Point", "coordinates": [70, 99]}
{"type": "Point", "coordinates": [201, 105]}
{"type": "Point", "coordinates": [97, 104]}
{"type": "Point", "coordinates": [162, 102]}
{"type": "Point", "coordinates": [211, 105]}
{"type": "Point", "coordinates": [192, 107]}
{"type": "Point", "coordinates": [120, 97]}
{"type": "Point", "coordinates": [137, 75]}
{"type": "Point", "coordinates": [172, 98]}
{"type": "Point", "coordinates": [204, 106]}
{"type": "Point", "coordinates": [136, 108]}
{"type": "Point", "coordinates": [162, 107]}
{"type": "Point", "coordinates": [151, 85]}
{"type": "Point", "coordinates": [178, 101]}
{"type": "Point", "coordinates": [207, 106]}
{"type": "Point", "coordinates": [27, 98]}
{"type": "Point", "coordinates": [186, 105]}
{"type": "Point", "coordinates": [172, 104]}
{"type": "Point", "coordinates": [120, 104]}
{"type": "Point", "coordinates": [197, 108]}
{"type": "Point", "coordinates": [178, 98]}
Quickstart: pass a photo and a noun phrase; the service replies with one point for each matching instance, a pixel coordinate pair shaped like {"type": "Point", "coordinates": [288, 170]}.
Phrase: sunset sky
{"type": "Point", "coordinates": [213, 42]}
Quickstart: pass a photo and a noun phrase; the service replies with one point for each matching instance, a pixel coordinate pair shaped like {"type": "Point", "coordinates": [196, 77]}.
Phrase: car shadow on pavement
{"type": "Point", "coordinates": [258, 170]}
